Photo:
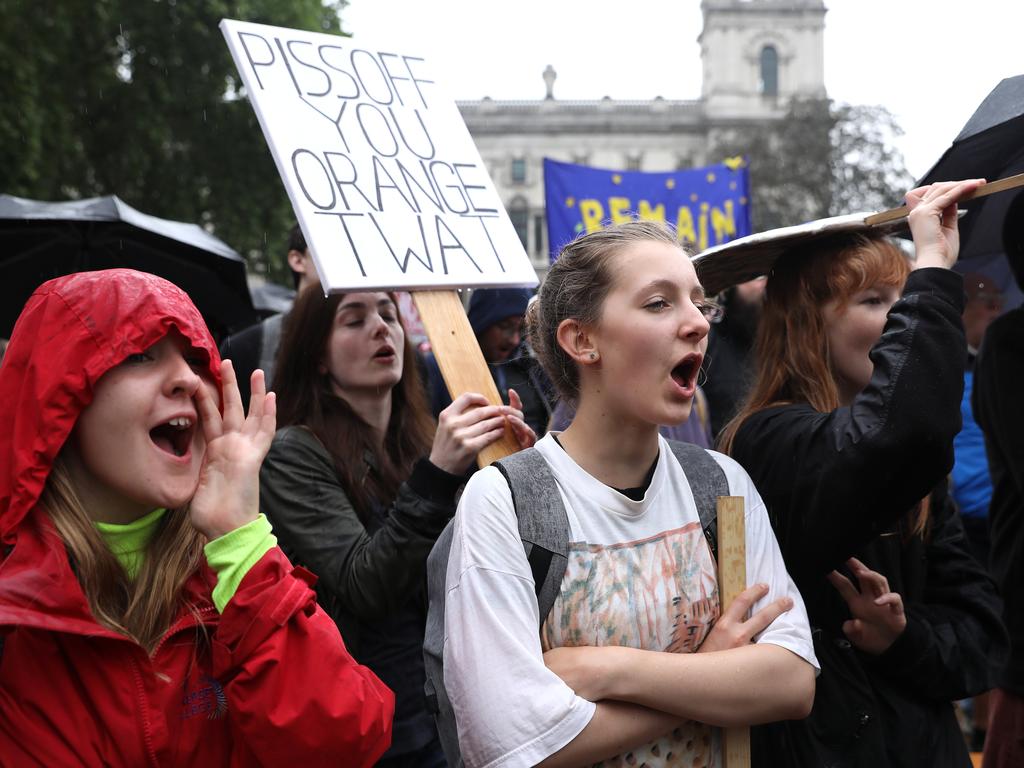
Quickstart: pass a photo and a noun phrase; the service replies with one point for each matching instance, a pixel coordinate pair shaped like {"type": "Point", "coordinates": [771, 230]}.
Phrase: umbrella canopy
{"type": "Point", "coordinates": [40, 240]}
{"type": "Point", "coordinates": [991, 145]}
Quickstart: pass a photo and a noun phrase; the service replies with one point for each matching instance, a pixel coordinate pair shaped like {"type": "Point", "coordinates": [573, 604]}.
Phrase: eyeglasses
{"type": "Point", "coordinates": [511, 327]}
{"type": "Point", "coordinates": [712, 311]}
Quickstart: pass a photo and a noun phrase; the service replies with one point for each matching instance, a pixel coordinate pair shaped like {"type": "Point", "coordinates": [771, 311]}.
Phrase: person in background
{"type": "Point", "coordinates": [972, 486]}
{"type": "Point", "coordinates": [848, 433]}
{"type": "Point", "coordinates": [256, 346]}
{"type": "Point", "coordinates": [999, 410]}
{"type": "Point", "coordinates": [360, 481]}
{"type": "Point", "coordinates": [147, 615]}
{"type": "Point", "coordinates": [971, 483]}
{"type": "Point", "coordinates": [496, 316]}
{"type": "Point", "coordinates": [730, 364]}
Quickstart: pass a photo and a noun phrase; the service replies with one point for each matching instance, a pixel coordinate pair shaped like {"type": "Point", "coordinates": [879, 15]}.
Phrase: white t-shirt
{"type": "Point", "coordinates": [639, 574]}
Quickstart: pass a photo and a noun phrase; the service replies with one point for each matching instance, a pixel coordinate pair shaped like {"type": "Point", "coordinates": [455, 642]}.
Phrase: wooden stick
{"type": "Point", "coordinates": [459, 357]}
{"type": "Point", "coordinates": [732, 579]}
{"type": "Point", "coordinates": [895, 214]}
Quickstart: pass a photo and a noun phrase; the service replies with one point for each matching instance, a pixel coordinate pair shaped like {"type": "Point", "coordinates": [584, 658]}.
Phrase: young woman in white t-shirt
{"type": "Point", "coordinates": [612, 676]}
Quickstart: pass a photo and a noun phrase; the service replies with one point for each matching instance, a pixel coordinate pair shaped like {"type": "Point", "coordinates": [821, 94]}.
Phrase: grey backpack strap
{"type": "Point", "coordinates": [707, 482]}
{"type": "Point", "coordinates": [543, 523]}
{"type": "Point", "coordinates": [269, 341]}
{"type": "Point", "coordinates": [433, 647]}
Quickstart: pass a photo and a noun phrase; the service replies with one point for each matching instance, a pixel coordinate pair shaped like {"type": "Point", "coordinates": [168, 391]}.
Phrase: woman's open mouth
{"type": "Point", "coordinates": [174, 436]}
{"type": "Point", "coordinates": [685, 373]}
{"type": "Point", "coordinates": [385, 354]}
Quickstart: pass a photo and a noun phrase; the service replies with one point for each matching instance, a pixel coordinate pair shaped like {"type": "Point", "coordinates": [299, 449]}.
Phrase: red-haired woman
{"type": "Point", "coordinates": [359, 483]}
{"type": "Point", "coordinates": [847, 431]}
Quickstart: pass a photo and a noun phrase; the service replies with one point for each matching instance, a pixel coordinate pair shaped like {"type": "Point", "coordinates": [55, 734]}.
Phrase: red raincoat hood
{"type": "Point", "coordinates": [73, 330]}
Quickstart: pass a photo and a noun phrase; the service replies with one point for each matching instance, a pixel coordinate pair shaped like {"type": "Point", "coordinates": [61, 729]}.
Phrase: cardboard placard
{"type": "Point", "coordinates": [387, 184]}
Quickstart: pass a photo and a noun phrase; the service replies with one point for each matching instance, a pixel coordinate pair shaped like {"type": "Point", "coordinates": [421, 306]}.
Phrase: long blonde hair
{"type": "Point", "coordinates": [142, 609]}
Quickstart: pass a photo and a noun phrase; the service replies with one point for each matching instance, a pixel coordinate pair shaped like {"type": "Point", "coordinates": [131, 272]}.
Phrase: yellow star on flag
{"type": "Point", "coordinates": [670, 183]}
{"type": "Point", "coordinates": [711, 178]}
{"type": "Point", "coordinates": [616, 178]}
{"type": "Point", "coordinates": [734, 163]}
{"type": "Point", "coordinates": [570, 202]}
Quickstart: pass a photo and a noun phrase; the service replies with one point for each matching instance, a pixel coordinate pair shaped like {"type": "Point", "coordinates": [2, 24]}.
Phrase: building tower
{"type": "Point", "coordinates": [758, 54]}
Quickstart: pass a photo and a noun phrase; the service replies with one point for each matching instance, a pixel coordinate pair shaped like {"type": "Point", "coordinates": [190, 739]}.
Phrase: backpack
{"type": "Point", "coordinates": [544, 529]}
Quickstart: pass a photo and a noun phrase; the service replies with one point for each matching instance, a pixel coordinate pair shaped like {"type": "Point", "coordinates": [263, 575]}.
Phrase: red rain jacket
{"type": "Point", "coordinates": [270, 683]}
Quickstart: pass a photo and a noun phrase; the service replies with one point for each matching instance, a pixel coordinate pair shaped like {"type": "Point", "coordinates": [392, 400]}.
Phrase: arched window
{"type": "Point", "coordinates": [769, 71]}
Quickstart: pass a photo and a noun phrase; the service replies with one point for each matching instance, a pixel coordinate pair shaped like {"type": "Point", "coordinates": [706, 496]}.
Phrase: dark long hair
{"type": "Point", "coordinates": [305, 398]}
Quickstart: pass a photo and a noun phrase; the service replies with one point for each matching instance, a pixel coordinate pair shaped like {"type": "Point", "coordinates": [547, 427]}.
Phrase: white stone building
{"type": "Point", "coordinates": [755, 55]}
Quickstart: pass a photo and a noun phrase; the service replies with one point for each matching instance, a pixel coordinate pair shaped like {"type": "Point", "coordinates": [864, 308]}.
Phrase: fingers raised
{"type": "Point", "coordinates": [741, 606]}
{"type": "Point", "coordinates": [871, 582]}
{"type": "Point", "coordinates": [258, 392]}
{"type": "Point", "coordinates": [844, 586]}
{"type": "Point", "coordinates": [521, 431]}
{"type": "Point", "coordinates": [893, 600]}
{"type": "Point", "coordinates": [760, 621]}
{"type": "Point", "coordinates": [233, 412]}
{"type": "Point", "coordinates": [514, 400]}
{"type": "Point", "coordinates": [209, 416]}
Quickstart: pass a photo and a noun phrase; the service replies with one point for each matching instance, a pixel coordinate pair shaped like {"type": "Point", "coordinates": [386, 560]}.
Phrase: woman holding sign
{"type": "Point", "coordinates": [147, 616]}
{"type": "Point", "coordinates": [359, 482]}
{"type": "Point", "coordinates": [635, 663]}
{"type": "Point", "coordinates": [847, 431]}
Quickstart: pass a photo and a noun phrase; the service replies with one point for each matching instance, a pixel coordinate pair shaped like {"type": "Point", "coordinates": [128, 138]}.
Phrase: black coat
{"type": "Point", "coordinates": [368, 569]}
{"type": "Point", "coordinates": [998, 406]}
{"type": "Point", "coordinates": [840, 484]}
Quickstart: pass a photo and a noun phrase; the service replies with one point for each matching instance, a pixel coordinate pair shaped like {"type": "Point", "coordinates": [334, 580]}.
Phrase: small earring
{"type": "Point", "coordinates": [593, 356]}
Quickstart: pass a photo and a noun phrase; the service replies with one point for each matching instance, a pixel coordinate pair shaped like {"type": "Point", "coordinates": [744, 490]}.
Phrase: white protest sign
{"type": "Point", "coordinates": [382, 173]}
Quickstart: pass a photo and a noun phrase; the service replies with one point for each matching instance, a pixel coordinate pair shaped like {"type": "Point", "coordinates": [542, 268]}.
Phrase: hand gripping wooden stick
{"type": "Point", "coordinates": [732, 579]}
{"type": "Point", "coordinates": [895, 214]}
{"type": "Point", "coordinates": [459, 357]}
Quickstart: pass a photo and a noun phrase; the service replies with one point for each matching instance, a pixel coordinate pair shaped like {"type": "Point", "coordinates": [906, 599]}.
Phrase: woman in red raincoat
{"type": "Point", "coordinates": [147, 616]}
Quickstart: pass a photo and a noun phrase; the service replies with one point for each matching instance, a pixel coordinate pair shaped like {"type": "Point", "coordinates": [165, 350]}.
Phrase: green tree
{"type": "Point", "coordinates": [821, 159]}
{"type": "Point", "coordinates": [142, 100]}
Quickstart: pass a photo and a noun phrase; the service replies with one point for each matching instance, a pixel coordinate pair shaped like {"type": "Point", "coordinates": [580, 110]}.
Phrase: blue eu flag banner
{"type": "Point", "coordinates": [707, 206]}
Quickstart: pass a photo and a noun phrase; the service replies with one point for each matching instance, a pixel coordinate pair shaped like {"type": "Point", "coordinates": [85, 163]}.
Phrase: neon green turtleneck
{"type": "Point", "coordinates": [129, 542]}
{"type": "Point", "coordinates": [230, 556]}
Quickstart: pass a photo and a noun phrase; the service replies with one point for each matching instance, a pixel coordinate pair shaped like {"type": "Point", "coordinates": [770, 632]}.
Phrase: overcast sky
{"type": "Point", "coordinates": [930, 62]}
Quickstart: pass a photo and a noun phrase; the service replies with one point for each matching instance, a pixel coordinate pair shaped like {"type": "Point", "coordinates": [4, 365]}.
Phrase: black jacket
{"type": "Point", "coordinates": [840, 484]}
{"type": "Point", "coordinates": [363, 576]}
{"type": "Point", "coordinates": [998, 406]}
{"type": "Point", "coordinates": [729, 370]}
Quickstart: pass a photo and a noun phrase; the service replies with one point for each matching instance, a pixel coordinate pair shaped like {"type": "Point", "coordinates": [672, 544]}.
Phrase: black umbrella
{"type": "Point", "coordinates": [991, 146]}
{"type": "Point", "coordinates": [272, 299]}
{"type": "Point", "coordinates": [41, 240]}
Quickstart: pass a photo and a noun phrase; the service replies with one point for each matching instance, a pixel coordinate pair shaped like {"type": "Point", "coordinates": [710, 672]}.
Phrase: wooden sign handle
{"type": "Point", "coordinates": [459, 357]}
{"type": "Point", "coordinates": [732, 579]}
{"type": "Point", "coordinates": [895, 214]}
